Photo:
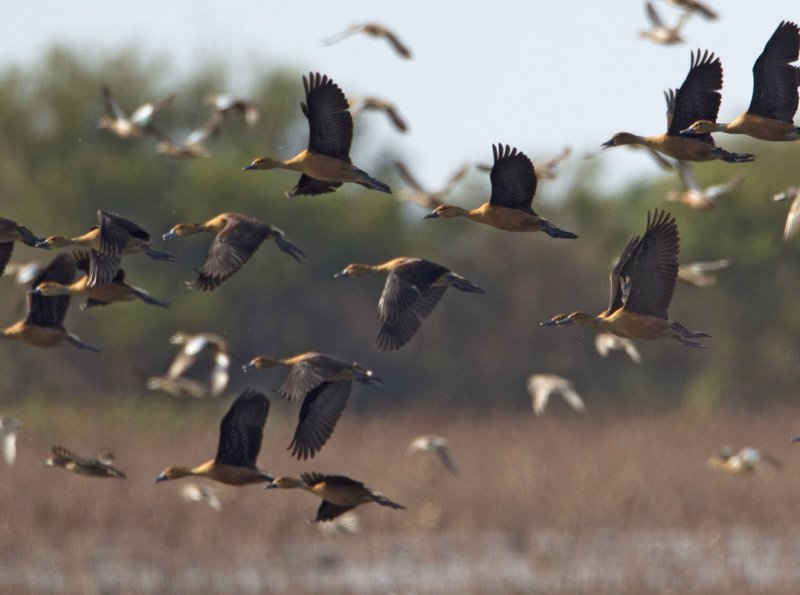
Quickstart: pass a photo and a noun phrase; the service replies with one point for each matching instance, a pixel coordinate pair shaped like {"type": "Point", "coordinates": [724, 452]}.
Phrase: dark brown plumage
{"type": "Point", "coordinates": [775, 80]}
{"type": "Point", "coordinates": [11, 232]}
{"type": "Point", "coordinates": [698, 97]}
{"type": "Point", "coordinates": [51, 311]}
{"type": "Point", "coordinates": [100, 467]}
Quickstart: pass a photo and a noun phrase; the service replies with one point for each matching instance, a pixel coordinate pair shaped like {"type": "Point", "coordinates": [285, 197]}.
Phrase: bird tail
{"type": "Point", "coordinates": [734, 157]}
{"type": "Point", "coordinates": [368, 181]}
{"type": "Point", "coordinates": [149, 299]}
{"type": "Point", "coordinates": [290, 248]}
{"type": "Point", "coordinates": [555, 232]}
{"type": "Point", "coordinates": [463, 284]}
{"type": "Point", "coordinates": [157, 254]}
{"type": "Point", "coordinates": [31, 240]}
{"type": "Point", "coordinates": [384, 501]}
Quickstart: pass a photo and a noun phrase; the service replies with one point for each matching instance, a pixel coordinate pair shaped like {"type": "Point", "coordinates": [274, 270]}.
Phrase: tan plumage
{"type": "Point", "coordinates": [659, 32]}
{"type": "Point", "coordinates": [695, 196]}
{"type": "Point", "coordinates": [700, 274]}
{"type": "Point", "coordinates": [227, 103]}
{"type": "Point", "coordinates": [542, 386]}
{"type": "Point", "coordinates": [138, 124]}
{"type": "Point", "coordinates": [695, 6]}
{"type": "Point", "coordinates": [413, 288]}
{"type": "Point", "coordinates": [193, 145]}
{"type": "Point", "coordinates": [376, 104]}
{"type": "Point", "coordinates": [339, 493]}
{"type": "Point", "coordinates": [747, 460]}
{"type": "Point", "coordinates": [426, 199]}
{"type": "Point", "coordinates": [373, 30]}
{"type": "Point", "coordinates": [792, 225]}
{"type": "Point", "coordinates": [240, 435]}
{"type": "Point", "coordinates": [99, 467]}
{"type": "Point", "coordinates": [193, 347]}
{"type": "Point", "coordinates": [236, 239]}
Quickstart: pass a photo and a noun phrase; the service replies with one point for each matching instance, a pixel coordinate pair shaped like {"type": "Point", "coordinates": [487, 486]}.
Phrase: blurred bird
{"type": "Point", "coordinates": [775, 93]}
{"type": "Point", "coordinates": [348, 522]}
{"type": "Point", "coordinates": [138, 125]}
{"type": "Point", "coordinates": [240, 436]}
{"type": "Point", "coordinates": [24, 273]}
{"type": "Point", "coordinates": [694, 6]}
{"type": "Point", "coordinates": [747, 460]}
{"type": "Point", "coordinates": [325, 164]}
{"type": "Point", "coordinates": [642, 284]}
{"type": "Point", "coordinates": [98, 295]}
{"type": "Point", "coordinates": [102, 466]}
{"type": "Point", "coordinates": [793, 216]}
{"type": "Point", "coordinates": [193, 146]}
{"type": "Point", "coordinates": [513, 189]}
{"type": "Point", "coordinates": [236, 239]}
{"type": "Point", "coordinates": [424, 198]}
{"type": "Point", "coordinates": [373, 30]}
{"type": "Point", "coordinates": [44, 324]}
{"type": "Point", "coordinates": [339, 493]}
{"type": "Point", "coordinates": [697, 99]}
{"type": "Point", "coordinates": [695, 196]}
{"type": "Point", "coordinates": [700, 274]}
{"type": "Point", "coordinates": [113, 238]}
{"type": "Point", "coordinates": [413, 288]}
{"type": "Point", "coordinates": [192, 492]}
{"type": "Point", "coordinates": [661, 33]}
{"type": "Point", "coordinates": [365, 104]}
{"type": "Point", "coordinates": [8, 439]}
{"type": "Point", "coordinates": [324, 382]}
{"type": "Point", "coordinates": [227, 103]}
{"type": "Point", "coordinates": [194, 346]}
{"type": "Point", "coordinates": [542, 386]}
{"type": "Point", "coordinates": [438, 444]}
{"type": "Point", "coordinates": [606, 343]}
{"type": "Point", "coordinates": [10, 232]}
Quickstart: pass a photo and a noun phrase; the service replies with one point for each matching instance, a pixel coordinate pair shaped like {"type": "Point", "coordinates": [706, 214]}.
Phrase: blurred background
{"type": "Point", "coordinates": [537, 77]}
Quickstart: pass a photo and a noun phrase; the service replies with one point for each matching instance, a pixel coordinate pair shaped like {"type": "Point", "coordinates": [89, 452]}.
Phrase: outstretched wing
{"type": "Point", "coordinates": [698, 98]}
{"type": "Point", "coordinates": [230, 249]}
{"type": "Point", "coordinates": [513, 179]}
{"type": "Point", "coordinates": [242, 429]}
{"type": "Point", "coordinates": [319, 414]}
{"type": "Point", "coordinates": [329, 120]}
{"type": "Point", "coordinates": [50, 311]}
{"type": "Point", "coordinates": [775, 80]}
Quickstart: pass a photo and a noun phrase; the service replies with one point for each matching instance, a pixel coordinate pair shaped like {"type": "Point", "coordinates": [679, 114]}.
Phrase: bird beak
{"type": "Point", "coordinates": [796, 439]}
{"type": "Point", "coordinates": [433, 215]}
{"type": "Point", "coordinates": [36, 291]}
{"type": "Point", "coordinates": [248, 167]}
{"type": "Point", "coordinates": [42, 244]}
{"type": "Point", "coordinates": [608, 143]}
{"type": "Point", "coordinates": [548, 323]}
{"type": "Point", "coordinates": [161, 477]}
{"type": "Point", "coordinates": [170, 235]}
{"type": "Point", "coordinates": [248, 367]}
{"type": "Point", "coordinates": [270, 486]}
{"type": "Point", "coordinates": [341, 274]}
{"type": "Point", "coordinates": [687, 131]}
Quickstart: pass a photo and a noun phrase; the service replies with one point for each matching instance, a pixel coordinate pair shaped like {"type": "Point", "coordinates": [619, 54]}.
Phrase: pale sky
{"type": "Point", "coordinates": [537, 75]}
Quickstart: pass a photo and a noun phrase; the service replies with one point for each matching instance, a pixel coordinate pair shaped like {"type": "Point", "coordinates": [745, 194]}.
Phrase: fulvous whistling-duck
{"type": "Point", "coordinates": [413, 288]}
{"type": "Point", "coordinates": [8, 439]}
{"type": "Point", "coordinates": [192, 146]}
{"type": "Point", "coordinates": [373, 30]}
{"type": "Point", "coordinates": [325, 164]}
{"type": "Point", "coordinates": [605, 343]}
{"type": "Point", "coordinates": [746, 460]}
{"type": "Point", "coordinates": [339, 493]}
{"type": "Point", "coordinates": [192, 492]}
{"type": "Point", "coordinates": [236, 239]}
{"type": "Point", "coordinates": [227, 103]}
{"type": "Point", "coordinates": [98, 295]}
{"type": "Point", "coordinates": [424, 198]}
{"type": "Point", "coordinates": [793, 216]}
{"type": "Point", "coordinates": [240, 435]}
{"type": "Point", "coordinates": [695, 6]}
{"type": "Point", "coordinates": [509, 208]}
{"type": "Point", "coordinates": [10, 232]}
{"type": "Point", "coordinates": [375, 104]}
{"type": "Point", "coordinates": [194, 345]}
{"type": "Point", "coordinates": [324, 382]}
{"type": "Point", "coordinates": [544, 171]}
{"type": "Point", "coordinates": [697, 99]}
{"type": "Point", "coordinates": [775, 95]}
{"type": "Point", "coordinates": [438, 444]}
{"type": "Point", "coordinates": [661, 33]}
{"type": "Point", "coordinates": [114, 237]}
{"type": "Point", "coordinates": [541, 386]}
{"type": "Point", "coordinates": [642, 284]}
{"type": "Point", "coordinates": [99, 467]}
{"type": "Point", "coordinates": [694, 195]}
{"type": "Point", "coordinates": [138, 125]}
{"type": "Point", "coordinates": [44, 324]}
{"type": "Point", "coordinates": [699, 274]}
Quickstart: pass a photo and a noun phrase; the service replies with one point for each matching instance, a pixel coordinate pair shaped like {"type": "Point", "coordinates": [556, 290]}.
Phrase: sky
{"type": "Point", "coordinates": [536, 75]}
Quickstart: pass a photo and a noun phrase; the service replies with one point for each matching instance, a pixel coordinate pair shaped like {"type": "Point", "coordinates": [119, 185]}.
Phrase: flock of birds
{"type": "Point", "coordinates": [642, 281]}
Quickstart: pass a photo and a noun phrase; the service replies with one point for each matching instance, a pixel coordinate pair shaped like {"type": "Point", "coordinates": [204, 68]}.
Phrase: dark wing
{"type": "Point", "coordinates": [116, 231]}
{"type": "Point", "coordinates": [6, 248]}
{"type": "Point", "coordinates": [111, 105]}
{"type": "Point", "coordinates": [329, 120]}
{"type": "Point", "coordinates": [310, 187]}
{"type": "Point", "coordinates": [653, 267]}
{"type": "Point", "coordinates": [615, 300]}
{"type": "Point", "coordinates": [103, 269]}
{"type": "Point", "coordinates": [513, 179]}
{"type": "Point", "coordinates": [82, 260]}
{"type": "Point", "coordinates": [669, 97]}
{"type": "Point", "coordinates": [319, 413]}
{"type": "Point", "coordinates": [398, 45]}
{"type": "Point", "coordinates": [242, 429]}
{"type": "Point", "coordinates": [328, 511]}
{"type": "Point", "coordinates": [698, 97]}
{"type": "Point", "coordinates": [50, 311]}
{"type": "Point", "coordinates": [308, 374]}
{"type": "Point", "coordinates": [775, 80]}
{"type": "Point", "coordinates": [231, 248]}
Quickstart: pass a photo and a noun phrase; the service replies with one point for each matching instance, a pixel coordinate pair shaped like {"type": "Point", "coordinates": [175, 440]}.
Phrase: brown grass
{"type": "Point", "coordinates": [596, 503]}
